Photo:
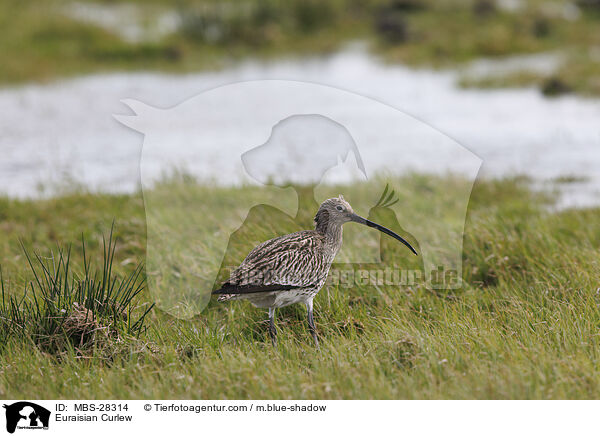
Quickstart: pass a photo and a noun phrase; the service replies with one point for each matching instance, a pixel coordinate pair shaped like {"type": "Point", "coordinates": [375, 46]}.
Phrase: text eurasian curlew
{"type": "Point", "coordinates": [293, 268]}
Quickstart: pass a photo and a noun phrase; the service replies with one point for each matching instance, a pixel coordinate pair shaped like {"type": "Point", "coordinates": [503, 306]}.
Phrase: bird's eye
{"type": "Point", "coordinates": [340, 208]}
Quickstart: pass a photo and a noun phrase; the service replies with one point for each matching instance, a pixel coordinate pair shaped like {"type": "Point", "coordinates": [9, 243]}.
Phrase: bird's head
{"type": "Point", "coordinates": [334, 212]}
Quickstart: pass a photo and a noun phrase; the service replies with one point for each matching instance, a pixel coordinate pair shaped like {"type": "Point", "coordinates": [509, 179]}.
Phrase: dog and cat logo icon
{"type": "Point", "coordinates": [26, 415]}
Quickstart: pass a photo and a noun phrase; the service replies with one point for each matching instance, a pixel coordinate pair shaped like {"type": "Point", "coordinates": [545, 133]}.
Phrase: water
{"type": "Point", "coordinates": [64, 132]}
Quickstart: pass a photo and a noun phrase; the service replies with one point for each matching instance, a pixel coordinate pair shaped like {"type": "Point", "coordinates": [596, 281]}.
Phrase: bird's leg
{"type": "Point", "coordinates": [272, 329]}
{"type": "Point", "coordinates": [311, 322]}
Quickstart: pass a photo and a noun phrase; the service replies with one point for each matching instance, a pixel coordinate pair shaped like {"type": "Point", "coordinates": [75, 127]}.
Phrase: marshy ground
{"type": "Point", "coordinates": [524, 326]}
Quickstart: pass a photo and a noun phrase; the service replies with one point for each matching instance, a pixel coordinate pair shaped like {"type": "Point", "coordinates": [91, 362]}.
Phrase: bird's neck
{"type": "Point", "coordinates": [332, 232]}
{"type": "Point", "coordinates": [333, 237]}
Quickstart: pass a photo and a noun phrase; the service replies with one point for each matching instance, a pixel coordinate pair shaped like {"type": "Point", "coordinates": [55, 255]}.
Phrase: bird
{"type": "Point", "coordinates": [293, 268]}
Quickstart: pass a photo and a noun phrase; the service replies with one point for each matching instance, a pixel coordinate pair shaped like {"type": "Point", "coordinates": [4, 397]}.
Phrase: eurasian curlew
{"type": "Point", "coordinates": [293, 268]}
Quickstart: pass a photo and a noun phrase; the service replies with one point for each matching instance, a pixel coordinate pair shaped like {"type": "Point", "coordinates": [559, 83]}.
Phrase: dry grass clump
{"type": "Point", "coordinates": [81, 330]}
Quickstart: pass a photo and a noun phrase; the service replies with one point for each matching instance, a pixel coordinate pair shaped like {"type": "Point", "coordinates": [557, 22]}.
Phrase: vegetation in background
{"type": "Point", "coordinates": [525, 325]}
{"type": "Point", "coordinates": [46, 40]}
{"type": "Point", "coordinates": [453, 32]}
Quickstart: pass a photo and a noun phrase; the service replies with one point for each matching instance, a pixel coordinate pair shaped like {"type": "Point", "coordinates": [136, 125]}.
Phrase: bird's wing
{"type": "Point", "coordinates": [288, 262]}
{"type": "Point", "coordinates": [228, 288]}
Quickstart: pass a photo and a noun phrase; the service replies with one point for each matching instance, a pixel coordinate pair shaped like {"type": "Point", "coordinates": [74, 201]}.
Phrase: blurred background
{"type": "Point", "coordinates": [517, 82]}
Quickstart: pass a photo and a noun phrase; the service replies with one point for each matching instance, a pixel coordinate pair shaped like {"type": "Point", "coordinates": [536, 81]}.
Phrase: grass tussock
{"type": "Point", "coordinates": [89, 313]}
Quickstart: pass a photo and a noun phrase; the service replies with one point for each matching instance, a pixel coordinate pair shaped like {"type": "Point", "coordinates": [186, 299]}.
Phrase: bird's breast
{"type": "Point", "coordinates": [295, 296]}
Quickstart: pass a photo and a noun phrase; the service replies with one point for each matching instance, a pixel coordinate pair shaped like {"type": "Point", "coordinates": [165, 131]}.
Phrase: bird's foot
{"type": "Point", "coordinates": [315, 338]}
{"type": "Point", "coordinates": [273, 335]}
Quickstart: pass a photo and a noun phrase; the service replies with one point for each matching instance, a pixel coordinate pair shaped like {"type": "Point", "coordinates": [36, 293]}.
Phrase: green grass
{"type": "Point", "coordinates": [525, 325]}
{"type": "Point", "coordinates": [453, 32]}
{"type": "Point", "coordinates": [41, 42]}
{"type": "Point", "coordinates": [88, 312]}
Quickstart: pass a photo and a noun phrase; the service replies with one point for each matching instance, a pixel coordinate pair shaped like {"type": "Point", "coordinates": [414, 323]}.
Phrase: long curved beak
{"type": "Point", "coordinates": [366, 222]}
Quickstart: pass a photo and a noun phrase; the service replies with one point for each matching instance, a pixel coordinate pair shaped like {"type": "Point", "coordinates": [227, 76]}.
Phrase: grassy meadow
{"type": "Point", "coordinates": [47, 40]}
{"type": "Point", "coordinates": [524, 326]}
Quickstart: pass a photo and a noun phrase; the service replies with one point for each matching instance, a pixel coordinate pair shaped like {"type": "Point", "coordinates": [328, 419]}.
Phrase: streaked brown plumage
{"type": "Point", "coordinates": [293, 268]}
